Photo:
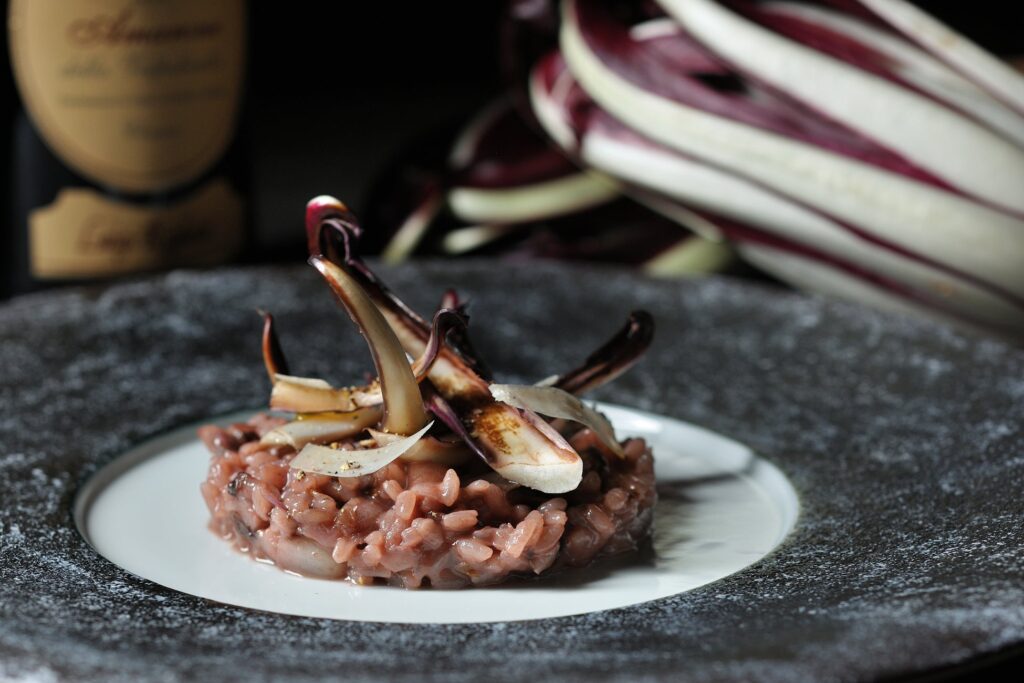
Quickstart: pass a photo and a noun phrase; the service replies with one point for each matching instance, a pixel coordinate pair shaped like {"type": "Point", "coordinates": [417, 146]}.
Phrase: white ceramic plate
{"type": "Point", "coordinates": [721, 508]}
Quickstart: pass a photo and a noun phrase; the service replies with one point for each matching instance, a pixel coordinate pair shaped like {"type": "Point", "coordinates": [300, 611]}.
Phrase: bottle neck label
{"type": "Point", "coordinates": [135, 95]}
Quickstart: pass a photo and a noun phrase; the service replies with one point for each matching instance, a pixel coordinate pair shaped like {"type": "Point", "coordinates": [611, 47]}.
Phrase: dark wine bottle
{"type": "Point", "coordinates": [126, 157]}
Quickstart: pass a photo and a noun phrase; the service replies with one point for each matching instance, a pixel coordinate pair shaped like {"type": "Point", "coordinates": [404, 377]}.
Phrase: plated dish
{"type": "Point", "coordinates": [902, 438]}
{"type": "Point", "coordinates": [430, 474]}
{"type": "Point", "coordinates": [721, 508]}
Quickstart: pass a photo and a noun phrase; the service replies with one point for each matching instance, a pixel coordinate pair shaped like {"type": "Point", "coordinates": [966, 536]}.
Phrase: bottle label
{"type": "Point", "coordinates": [137, 95]}
{"type": "Point", "coordinates": [84, 234]}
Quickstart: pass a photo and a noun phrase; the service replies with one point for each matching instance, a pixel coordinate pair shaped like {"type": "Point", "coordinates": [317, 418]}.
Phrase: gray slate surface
{"type": "Point", "coordinates": [904, 439]}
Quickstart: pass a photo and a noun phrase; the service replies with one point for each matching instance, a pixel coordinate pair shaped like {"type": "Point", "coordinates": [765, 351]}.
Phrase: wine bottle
{"type": "Point", "coordinates": [126, 156]}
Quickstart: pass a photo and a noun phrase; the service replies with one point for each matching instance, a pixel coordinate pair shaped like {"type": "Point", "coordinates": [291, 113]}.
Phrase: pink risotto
{"type": "Point", "coordinates": [421, 523]}
{"type": "Point", "coordinates": [431, 473]}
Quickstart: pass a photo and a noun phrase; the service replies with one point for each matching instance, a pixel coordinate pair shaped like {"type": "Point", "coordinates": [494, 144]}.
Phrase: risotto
{"type": "Point", "coordinates": [431, 474]}
{"type": "Point", "coordinates": [414, 524]}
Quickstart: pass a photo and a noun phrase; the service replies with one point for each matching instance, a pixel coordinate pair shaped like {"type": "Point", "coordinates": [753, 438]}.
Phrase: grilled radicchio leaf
{"type": "Point", "coordinates": [554, 402]}
{"type": "Point", "coordinates": [511, 440]}
{"type": "Point", "coordinates": [506, 434]}
{"type": "Point", "coordinates": [336, 462]}
{"type": "Point", "coordinates": [403, 405]}
{"type": "Point", "coordinates": [314, 395]}
{"type": "Point", "coordinates": [335, 427]}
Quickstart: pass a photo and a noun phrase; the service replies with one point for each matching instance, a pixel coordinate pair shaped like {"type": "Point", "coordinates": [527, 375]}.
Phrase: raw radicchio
{"type": "Point", "coordinates": [853, 147]}
{"type": "Point", "coordinates": [830, 150]}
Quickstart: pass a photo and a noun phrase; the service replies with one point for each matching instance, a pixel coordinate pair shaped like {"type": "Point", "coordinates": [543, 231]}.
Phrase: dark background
{"type": "Point", "coordinates": [337, 94]}
{"type": "Point", "coordinates": [337, 89]}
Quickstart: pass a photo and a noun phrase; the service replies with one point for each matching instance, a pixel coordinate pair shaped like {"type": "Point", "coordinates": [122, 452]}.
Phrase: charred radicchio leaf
{"type": "Point", "coordinates": [314, 395]}
{"type": "Point", "coordinates": [446, 320]}
{"type": "Point", "coordinates": [510, 439]}
{"type": "Point", "coordinates": [327, 429]}
{"type": "Point", "coordinates": [337, 462]}
{"type": "Point", "coordinates": [555, 402]}
{"type": "Point", "coordinates": [616, 356]}
{"type": "Point", "coordinates": [273, 355]}
{"type": "Point", "coordinates": [403, 405]}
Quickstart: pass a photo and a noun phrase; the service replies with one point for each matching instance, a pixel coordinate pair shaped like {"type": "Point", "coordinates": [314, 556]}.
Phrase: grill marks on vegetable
{"type": "Point", "coordinates": [405, 515]}
{"type": "Point", "coordinates": [508, 438]}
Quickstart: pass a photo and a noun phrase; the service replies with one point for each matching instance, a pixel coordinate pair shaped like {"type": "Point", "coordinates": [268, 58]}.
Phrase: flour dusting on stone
{"type": "Point", "coordinates": [905, 440]}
